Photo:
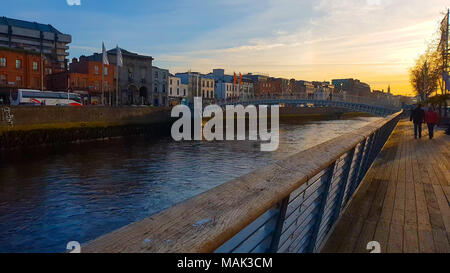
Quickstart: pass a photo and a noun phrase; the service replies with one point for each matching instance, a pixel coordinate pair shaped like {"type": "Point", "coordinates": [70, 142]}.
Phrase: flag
{"type": "Point", "coordinates": [240, 78]}
{"type": "Point", "coordinates": [444, 33]}
{"type": "Point", "coordinates": [105, 55]}
{"type": "Point", "coordinates": [119, 57]}
{"type": "Point", "coordinates": [446, 78]}
{"type": "Point", "coordinates": [235, 79]}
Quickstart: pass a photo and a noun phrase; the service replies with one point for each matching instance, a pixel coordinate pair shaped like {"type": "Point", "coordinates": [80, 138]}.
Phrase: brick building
{"type": "Point", "coordinates": [85, 78]}
{"type": "Point", "coordinates": [20, 69]}
{"type": "Point", "coordinates": [352, 87]}
{"type": "Point", "coordinates": [272, 86]}
{"type": "Point", "coordinates": [43, 39]}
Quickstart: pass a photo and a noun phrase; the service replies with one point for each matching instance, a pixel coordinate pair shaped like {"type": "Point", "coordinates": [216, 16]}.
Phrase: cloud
{"type": "Point", "coordinates": [73, 2]}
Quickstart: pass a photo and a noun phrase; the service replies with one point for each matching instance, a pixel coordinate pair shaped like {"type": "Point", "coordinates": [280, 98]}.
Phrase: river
{"type": "Point", "coordinates": [52, 195]}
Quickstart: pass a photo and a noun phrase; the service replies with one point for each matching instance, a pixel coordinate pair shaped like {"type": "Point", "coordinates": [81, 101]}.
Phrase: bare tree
{"type": "Point", "coordinates": [425, 75]}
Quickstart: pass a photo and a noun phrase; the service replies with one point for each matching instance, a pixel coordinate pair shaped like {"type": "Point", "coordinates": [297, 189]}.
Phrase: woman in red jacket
{"type": "Point", "coordinates": [431, 118]}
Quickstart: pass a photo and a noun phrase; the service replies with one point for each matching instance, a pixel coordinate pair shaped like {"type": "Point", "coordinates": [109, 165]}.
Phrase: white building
{"type": "Point", "coordinates": [199, 85]}
{"type": "Point", "coordinates": [160, 83]}
{"type": "Point", "coordinates": [176, 88]}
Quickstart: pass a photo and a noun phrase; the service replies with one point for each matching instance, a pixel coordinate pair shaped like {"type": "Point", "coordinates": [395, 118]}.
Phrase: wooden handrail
{"type": "Point", "coordinates": [205, 222]}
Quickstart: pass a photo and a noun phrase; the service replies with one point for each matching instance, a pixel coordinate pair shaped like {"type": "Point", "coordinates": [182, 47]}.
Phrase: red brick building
{"type": "Point", "coordinates": [20, 69]}
{"type": "Point", "coordinates": [85, 77]}
{"type": "Point", "coordinates": [273, 86]}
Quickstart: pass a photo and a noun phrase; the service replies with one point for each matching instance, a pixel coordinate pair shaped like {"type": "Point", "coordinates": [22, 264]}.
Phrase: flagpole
{"type": "Point", "coordinates": [103, 92]}
{"type": "Point", "coordinates": [117, 84]}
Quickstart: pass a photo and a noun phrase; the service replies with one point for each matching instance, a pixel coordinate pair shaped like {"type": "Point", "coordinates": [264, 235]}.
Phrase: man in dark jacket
{"type": "Point", "coordinates": [417, 116]}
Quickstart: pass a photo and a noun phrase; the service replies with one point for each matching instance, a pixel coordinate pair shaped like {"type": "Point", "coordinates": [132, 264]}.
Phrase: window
{"type": "Point", "coordinates": [3, 62]}
{"type": "Point", "coordinates": [2, 79]}
{"type": "Point", "coordinates": [97, 85]}
{"type": "Point", "coordinates": [178, 82]}
{"type": "Point", "coordinates": [105, 71]}
{"type": "Point", "coordinates": [164, 76]}
{"type": "Point", "coordinates": [19, 81]}
{"type": "Point", "coordinates": [184, 92]}
{"type": "Point", "coordinates": [178, 91]}
{"type": "Point", "coordinates": [164, 88]}
{"type": "Point", "coordinates": [18, 64]}
{"type": "Point", "coordinates": [170, 90]}
{"type": "Point", "coordinates": [35, 66]}
{"type": "Point", "coordinates": [96, 70]}
{"type": "Point", "coordinates": [156, 74]}
{"type": "Point", "coordinates": [171, 84]}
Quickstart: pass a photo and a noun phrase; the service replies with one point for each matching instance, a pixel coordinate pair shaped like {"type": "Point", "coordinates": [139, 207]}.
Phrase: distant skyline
{"type": "Point", "coordinates": [376, 41]}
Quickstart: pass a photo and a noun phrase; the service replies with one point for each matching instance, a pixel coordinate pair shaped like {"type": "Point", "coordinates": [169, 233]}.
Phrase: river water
{"type": "Point", "coordinates": [50, 196]}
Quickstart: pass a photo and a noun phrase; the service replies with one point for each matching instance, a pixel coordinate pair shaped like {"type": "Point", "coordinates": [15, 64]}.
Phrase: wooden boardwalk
{"type": "Point", "coordinates": [403, 202]}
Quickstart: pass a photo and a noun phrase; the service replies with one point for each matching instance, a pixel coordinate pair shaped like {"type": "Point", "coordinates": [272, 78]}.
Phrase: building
{"type": "Point", "coordinates": [323, 90]}
{"type": "Point", "coordinates": [302, 88]}
{"type": "Point", "coordinates": [39, 38]}
{"type": "Point", "coordinates": [352, 87]}
{"type": "Point", "coordinates": [177, 90]}
{"type": "Point", "coordinates": [135, 76]}
{"type": "Point", "coordinates": [199, 85]}
{"type": "Point", "coordinates": [225, 90]}
{"type": "Point", "coordinates": [158, 96]}
{"type": "Point", "coordinates": [231, 86]}
{"type": "Point", "coordinates": [20, 69]}
{"type": "Point", "coordinates": [272, 86]}
{"type": "Point", "coordinates": [85, 78]}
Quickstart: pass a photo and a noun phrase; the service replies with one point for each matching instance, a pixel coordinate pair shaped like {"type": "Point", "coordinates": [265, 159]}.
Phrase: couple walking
{"type": "Point", "coordinates": [419, 116]}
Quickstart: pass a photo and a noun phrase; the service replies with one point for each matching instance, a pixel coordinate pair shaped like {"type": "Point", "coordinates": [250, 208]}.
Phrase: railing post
{"type": "Point", "coordinates": [343, 185]}
{"type": "Point", "coordinates": [326, 181]}
{"type": "Point", "coordinates": [366, 154]}
{"type": "Point", "coordinates": [279, 227]}
{"type": "Point", "coordinates": [354, 178]}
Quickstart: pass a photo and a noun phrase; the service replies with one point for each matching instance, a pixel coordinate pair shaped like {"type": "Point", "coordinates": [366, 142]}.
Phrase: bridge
{"type": "Point", "coordinates": [376, 183]}
{"type": "Point", "coordinates": [376, 106]}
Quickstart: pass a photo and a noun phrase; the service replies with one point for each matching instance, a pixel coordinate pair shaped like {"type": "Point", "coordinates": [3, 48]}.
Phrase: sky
{"type": "Point", "coordinates": [376, 41]}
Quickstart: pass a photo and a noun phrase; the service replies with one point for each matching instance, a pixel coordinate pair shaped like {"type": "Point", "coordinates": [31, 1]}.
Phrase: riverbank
{"type": "Point", "coordinates": [47, 125]}
{"type": "Point", "coordinates": [37, 126]}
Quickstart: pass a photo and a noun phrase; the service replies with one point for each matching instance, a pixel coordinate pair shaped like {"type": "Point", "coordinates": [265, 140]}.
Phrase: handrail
{"type": "Point", "coordinates": [289, 206]}
{"type": "Point", "coordinates": [381, 101]}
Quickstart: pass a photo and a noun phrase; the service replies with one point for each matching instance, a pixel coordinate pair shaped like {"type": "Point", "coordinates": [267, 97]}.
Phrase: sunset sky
{"type": "Point", "coordinates": [375, 41]}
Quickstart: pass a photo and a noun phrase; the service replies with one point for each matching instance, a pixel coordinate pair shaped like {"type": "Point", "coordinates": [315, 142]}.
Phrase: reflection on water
{"type": "Point", "coordinates": [50, 196]}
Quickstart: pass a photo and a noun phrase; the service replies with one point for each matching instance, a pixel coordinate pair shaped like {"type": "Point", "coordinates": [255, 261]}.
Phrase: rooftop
{"type": "Point", "coordinates": [28, 25]}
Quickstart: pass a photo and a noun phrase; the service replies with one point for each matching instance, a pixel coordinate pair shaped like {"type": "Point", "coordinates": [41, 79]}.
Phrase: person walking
{"type": "Point", "coordinates": [417, 117]}
{"type": "Point", "coordinates": [431, 119]}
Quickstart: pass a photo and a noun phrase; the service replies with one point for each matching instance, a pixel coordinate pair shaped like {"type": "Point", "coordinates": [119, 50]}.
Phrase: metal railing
{"type": "Point", "coordinates": [289, 206]}
{"type": "Point", "coordinates": [386, 102]}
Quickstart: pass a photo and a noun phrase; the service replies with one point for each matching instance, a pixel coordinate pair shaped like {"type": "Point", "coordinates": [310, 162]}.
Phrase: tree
{"type": "Point", "coordinates": [425, 75]}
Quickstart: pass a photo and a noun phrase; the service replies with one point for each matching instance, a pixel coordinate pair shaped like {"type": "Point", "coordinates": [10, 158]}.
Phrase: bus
{"type": "Point", "coordinates": [37, 97]}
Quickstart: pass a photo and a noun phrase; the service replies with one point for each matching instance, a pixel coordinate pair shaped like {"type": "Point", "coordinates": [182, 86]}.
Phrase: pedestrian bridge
{"type": "Point", "coordinates": [375, 106]}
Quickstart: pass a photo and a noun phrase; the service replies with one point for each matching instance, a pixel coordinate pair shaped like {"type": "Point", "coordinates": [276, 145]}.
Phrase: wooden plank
{"type": "Point", "coordinates": [366, 235]}
{"type": "Point", "coordinates": [426, 242]}
{"type": "Point", "coordinates": [410, 239]}
{"type": "Point", "coordinates": [395, 240]}
{"type": "Point", "coordinates": [443, 206]}
{"type": "Point", "coordinates": [441, 242]}
{"type": "Point", "coordinates": [382, 234]}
